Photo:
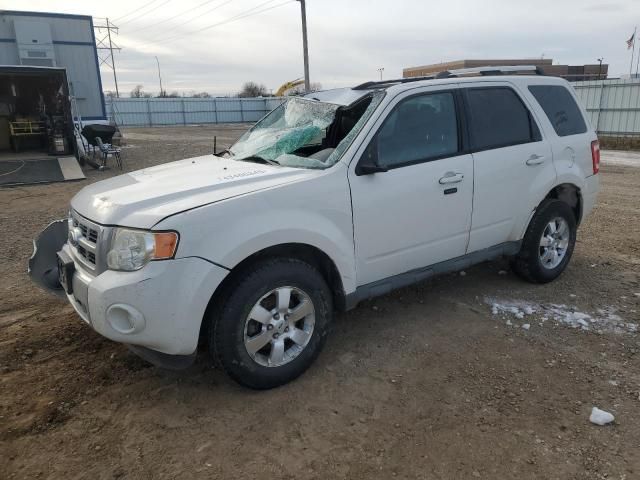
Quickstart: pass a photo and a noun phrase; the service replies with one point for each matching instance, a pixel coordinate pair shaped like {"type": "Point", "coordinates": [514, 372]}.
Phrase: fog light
{"type": "Point", "coordinates": [125, 319]}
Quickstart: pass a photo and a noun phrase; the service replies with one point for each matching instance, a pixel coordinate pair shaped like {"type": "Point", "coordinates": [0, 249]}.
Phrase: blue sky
{"type": "Point", "coordinates": [348, 40]}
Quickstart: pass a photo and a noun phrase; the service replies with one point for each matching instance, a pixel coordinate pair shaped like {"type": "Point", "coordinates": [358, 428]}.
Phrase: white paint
{"type": "Point", "coordinates": [371, 226]}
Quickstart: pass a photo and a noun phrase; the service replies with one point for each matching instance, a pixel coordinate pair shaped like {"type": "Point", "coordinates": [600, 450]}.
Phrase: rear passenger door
{"type": "Point", "coordinates": [513, 167]}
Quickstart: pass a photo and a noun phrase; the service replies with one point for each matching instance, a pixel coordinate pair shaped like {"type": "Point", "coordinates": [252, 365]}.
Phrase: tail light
{"type": "Point", "coordinates": [595, 156]}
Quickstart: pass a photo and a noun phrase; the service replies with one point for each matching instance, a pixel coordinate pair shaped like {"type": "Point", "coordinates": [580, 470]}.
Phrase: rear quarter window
{"type": "Point", "coordinates": [561, 109]}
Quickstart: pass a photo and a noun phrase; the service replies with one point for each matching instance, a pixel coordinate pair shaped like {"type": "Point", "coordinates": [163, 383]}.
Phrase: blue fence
{"type": "Point", "coordinates": [613, 107]}
{"type": "Point", "coordinates": [149, 112]}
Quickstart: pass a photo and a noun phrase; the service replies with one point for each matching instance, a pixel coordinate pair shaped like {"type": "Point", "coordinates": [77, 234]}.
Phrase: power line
{"type": "Point", "coordinates": [144, 13]}
{"type": "Point", "coordinates": [136, 10]}
{"type": "Point", "coordinates": [247, 13]}
{"type": "Point", "coordinates": [199, 15]}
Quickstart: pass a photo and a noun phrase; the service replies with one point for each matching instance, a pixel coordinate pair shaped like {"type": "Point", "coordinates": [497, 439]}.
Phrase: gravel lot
{"type": "Point", "coordinates": [427, 382]}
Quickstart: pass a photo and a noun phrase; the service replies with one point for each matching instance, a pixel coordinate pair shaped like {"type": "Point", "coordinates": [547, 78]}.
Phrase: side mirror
{"type": "Point", "coordinates": [368, 163]}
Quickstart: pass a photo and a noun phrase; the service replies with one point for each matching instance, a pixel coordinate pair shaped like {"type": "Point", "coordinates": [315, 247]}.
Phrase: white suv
{"type": "Point", "coordinates": [328, 200]}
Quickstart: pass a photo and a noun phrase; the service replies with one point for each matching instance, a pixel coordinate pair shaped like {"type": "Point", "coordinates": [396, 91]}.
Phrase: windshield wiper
{"type": "Point", "coordinates": [222, 152]}
{"type": "Point", "coordinates": [258, 159]}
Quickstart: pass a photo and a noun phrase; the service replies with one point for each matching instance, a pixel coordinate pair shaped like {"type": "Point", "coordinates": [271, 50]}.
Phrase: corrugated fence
{"type": "Point", "coordinates": [149, 112]}
{"type": "Point", "coordinates": [613, 107]}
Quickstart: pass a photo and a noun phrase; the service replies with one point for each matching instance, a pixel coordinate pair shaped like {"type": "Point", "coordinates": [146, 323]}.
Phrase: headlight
{"type": "Point", "coordinates": [133, 249]}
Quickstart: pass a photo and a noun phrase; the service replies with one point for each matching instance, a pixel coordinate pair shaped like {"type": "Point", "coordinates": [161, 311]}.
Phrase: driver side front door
{"type": "Point", "coordinates": [418, 212]}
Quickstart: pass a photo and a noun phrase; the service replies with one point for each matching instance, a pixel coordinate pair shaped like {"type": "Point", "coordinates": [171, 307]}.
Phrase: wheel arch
{"type": "Point", "coordinates": [571, 194]}
{"type": "Point", "coordinates": [301, 251]}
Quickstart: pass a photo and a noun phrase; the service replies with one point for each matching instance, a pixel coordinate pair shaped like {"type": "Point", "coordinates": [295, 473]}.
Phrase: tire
{"type": "Point", "coordinates": [255, 294]}
{"type": "Point", "coordinates": [528, 263]}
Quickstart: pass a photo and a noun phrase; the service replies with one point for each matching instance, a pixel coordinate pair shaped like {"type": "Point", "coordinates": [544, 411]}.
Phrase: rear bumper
{"type": "Point", "coordinates": [158, 308]}
{"type": "Point", "coordinates": [590, 194]}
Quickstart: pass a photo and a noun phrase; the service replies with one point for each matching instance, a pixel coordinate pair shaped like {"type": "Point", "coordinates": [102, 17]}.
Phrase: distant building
{"type": "Point", "coordinates": [569, 72]}
{"type": "Point", "coordinates": [31, 40]}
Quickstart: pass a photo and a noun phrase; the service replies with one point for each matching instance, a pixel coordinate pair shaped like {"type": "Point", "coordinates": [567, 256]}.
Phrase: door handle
{"type": "Point", "coordinates": [451, 177]}
{"type": "Point", "coordinates": [535, 160]}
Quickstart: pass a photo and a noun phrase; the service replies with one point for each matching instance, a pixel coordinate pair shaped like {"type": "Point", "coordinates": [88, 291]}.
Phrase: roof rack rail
{"type": "Point", "coordinates": [461, 72]}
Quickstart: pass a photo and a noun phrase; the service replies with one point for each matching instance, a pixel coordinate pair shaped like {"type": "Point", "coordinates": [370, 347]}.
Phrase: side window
{"type": "Point", "coordinates": [561, 109]}
{"type": "Point", "coordinates": [418, 129]}
{"type": "Point", "coordinates": [498, 118]}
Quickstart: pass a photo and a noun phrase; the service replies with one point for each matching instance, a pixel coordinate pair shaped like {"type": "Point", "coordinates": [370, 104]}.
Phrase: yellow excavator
{"type": "Point", "coordinates": [285, 87]}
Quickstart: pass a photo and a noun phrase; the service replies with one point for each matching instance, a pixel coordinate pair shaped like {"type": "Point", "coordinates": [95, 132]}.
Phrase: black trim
{"type": "Point", "coordinates": [71, 42]}
{"type": "Point", "coordinates": [163, 360]}
{"type": "Point", "coordinates": [457, 104]}
{"type": "Point", "coordinates": [468, 116]}
{"type": "Point", "coordinates": [443, 74]}
{"type": "Point", "coordinates": [386, 285]}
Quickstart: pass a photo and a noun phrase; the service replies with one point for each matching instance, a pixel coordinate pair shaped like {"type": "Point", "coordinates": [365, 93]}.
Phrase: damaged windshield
{"type": "Point", "coordinates": [305, 133]}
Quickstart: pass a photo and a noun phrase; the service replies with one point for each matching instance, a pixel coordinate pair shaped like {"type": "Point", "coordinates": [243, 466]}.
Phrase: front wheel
{"type": "Point", "coordinates": [548, 244]}
{"type": "Point", "coordinates": [273, 324]}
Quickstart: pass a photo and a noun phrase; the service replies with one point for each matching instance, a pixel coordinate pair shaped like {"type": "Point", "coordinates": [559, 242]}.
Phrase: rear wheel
{"type": "Point", "coordinates": [548, 244]}
{"type": "Point", "coordinates": [273, 324]}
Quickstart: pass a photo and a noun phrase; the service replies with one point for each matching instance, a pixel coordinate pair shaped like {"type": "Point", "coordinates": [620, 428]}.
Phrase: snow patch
{"type": "Point", "coordinates": [604, 318]}
{"type": "Point", "coordinates": [617, 157]}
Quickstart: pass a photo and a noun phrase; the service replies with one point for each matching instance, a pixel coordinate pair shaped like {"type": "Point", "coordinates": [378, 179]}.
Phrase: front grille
{"type": "Point", "coordinates": [88, 244]}
{"type": "Point", "coordinates": [88, 256]}
{"type": "Point", "coordinates": [90, 234]}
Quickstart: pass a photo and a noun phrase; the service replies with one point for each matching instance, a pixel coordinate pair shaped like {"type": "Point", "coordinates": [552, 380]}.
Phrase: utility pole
{"type": "Point", "coordinates": [104, 43]}
{"type": "Point", "coordinates": [381, 69]}
{"type": "Point", "coordinates": [305, 47]}
{"type": "Point", "coordinates": [160, 78]}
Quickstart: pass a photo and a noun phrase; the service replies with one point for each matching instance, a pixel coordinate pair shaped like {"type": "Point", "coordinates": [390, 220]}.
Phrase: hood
{"type": "Point", "coordinates": [141, 199]}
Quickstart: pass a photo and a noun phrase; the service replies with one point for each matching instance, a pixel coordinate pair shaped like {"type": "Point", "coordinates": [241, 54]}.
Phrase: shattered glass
{"type": "Point", "coordinates": [297, 123]}
{"type": "Point", "coordinates": [292, 125]}
{"type": "Point", "coordinates": [376, 98]}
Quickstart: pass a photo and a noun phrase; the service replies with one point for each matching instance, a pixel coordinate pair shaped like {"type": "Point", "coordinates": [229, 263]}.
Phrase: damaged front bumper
{"type": "Point", "coordinates": [43, 264]}
{"type": "Point", "coordinates": [157, 311]}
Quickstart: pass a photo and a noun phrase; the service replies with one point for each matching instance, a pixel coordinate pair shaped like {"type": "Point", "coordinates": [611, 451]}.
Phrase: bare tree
{"type": "Point", "coordinates": [109, 94]}
{"type": "Point", "coordinates": [138, 92]}
{"type": "Point", "coordinates": [201, 95]}
{"type": "Point", "coordinates": [252, 89]}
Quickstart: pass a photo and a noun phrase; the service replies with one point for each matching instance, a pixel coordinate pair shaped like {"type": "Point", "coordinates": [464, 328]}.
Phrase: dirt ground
{"type": "Point", "coordinates": [423, 383]}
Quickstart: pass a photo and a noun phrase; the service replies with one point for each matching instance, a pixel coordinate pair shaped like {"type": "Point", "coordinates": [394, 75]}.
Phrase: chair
{"type": "Point", "coordinates": [107, 149]}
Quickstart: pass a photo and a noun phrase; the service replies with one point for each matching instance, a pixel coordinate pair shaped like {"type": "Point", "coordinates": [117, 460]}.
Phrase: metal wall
{"type": "Point", "coordinates": [613, 106]}
{"type": "Point", "coordinates": [75, 50]}
{"type": "Point", "coordinates": [148, 112]}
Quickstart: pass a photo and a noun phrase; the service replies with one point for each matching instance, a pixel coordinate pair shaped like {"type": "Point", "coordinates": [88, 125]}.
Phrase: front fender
{"type": "Point", "coordinates": [316, 212]}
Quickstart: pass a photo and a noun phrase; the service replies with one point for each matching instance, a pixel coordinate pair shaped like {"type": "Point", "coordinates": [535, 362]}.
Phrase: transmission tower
{"type": "Point", "coordinates": [105, 46]}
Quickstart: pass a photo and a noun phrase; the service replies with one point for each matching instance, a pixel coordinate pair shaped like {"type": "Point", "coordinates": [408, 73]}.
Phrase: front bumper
{"type": "Point", "coordinates": [159, 307]}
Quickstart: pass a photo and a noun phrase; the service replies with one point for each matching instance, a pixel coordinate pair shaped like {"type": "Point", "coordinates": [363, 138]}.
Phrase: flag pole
{"type": "Point", "coordinates": [637, 63]}
{"type": "Point", "coordinates": [633, 51]}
